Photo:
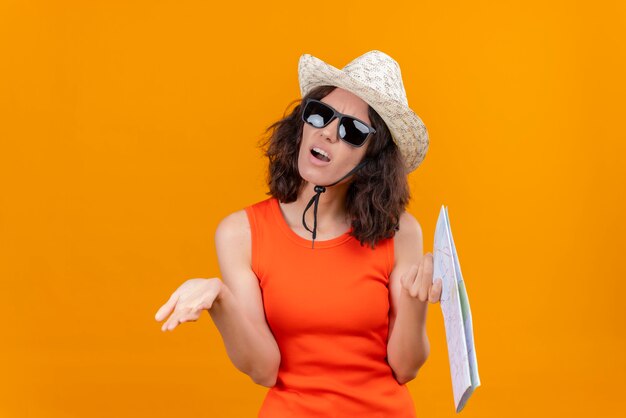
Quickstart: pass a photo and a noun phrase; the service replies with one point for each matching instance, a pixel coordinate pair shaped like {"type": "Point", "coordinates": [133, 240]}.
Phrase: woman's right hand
{"type": "Point", "coordinates": [188, 302]}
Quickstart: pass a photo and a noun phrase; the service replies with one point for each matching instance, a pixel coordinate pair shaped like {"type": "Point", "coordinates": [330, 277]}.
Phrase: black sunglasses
{"type": "Point", "coordinates": [349, 129]}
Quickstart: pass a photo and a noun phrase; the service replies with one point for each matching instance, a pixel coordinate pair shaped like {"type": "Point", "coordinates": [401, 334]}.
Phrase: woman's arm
{"type": "Point", "coordinates": [407, 346]}
{"type": "Point", "coordinates": [238, 310]}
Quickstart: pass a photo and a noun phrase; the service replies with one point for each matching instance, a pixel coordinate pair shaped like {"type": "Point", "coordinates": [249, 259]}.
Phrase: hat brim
{"type": "Point", "coordinates": [406, 127]}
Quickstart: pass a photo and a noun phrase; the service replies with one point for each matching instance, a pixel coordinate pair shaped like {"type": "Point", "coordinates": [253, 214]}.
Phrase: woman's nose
{"type": "Point", "coordinates": [330, 131]}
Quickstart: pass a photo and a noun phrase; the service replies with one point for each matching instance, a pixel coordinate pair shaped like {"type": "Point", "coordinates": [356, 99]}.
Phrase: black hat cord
{"type": "Point", "coordinates": [315, 200]}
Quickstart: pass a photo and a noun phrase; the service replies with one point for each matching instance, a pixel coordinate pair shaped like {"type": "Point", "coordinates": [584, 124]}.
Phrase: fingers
{"type": "Point", "coordinates": [173, 321]}
{"type": "Point", "coordinates": [415, 287]}
{"type": "Point", "coordinates": [422, 283]}
{"type": "Point", "coordinates": [408, 277]}
{"type": "Point", "coordinates": [167, 308]}
{"type": "Point", "coordinates": [435, 291]}
{"type": "Point", "coordinates": [188, 302]}
{"type": "Point", "coordinates": [170, 324]}
{"type": "Point", "coordinates": [189, 314]}
{"type": "Point", "coordinates": [418, 280]}
{"type": "Point", "coordinates": [427, 277]}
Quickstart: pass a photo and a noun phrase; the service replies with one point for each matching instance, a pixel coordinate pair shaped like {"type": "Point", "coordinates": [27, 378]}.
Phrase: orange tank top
{"type": "Point", "coordinates": [328, 308]}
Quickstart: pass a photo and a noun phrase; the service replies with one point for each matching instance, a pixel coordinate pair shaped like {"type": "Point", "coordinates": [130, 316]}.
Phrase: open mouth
{"type": "Point", "coordinates": [320, 156]}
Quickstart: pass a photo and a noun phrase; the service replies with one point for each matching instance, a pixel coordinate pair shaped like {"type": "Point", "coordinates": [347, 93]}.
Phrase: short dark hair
{"type": "Point", "coordinates": [378, 192]}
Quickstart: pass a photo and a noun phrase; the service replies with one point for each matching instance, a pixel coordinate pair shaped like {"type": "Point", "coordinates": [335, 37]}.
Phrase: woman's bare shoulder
{"type": "Point", "coordinates": [408, 238]}
{"type": "Point", "coordinates": [408, 223]}
{"type": "Point", "coordinates": [233, 231]}
{"type": "Point", "coordinates": [235, 223]}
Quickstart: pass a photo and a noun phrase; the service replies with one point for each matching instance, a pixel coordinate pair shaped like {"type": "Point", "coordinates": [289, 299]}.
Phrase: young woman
{"type": "Point", "coordinates": [331, 318]}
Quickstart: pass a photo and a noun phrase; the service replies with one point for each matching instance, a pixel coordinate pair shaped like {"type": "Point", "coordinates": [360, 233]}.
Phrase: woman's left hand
{"type": "Point", "coordinates": [418, 281]}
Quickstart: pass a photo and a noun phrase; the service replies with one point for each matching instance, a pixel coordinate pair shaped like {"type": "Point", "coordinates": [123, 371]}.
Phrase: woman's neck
{"type": "Point", "coordinates": [332, 217]}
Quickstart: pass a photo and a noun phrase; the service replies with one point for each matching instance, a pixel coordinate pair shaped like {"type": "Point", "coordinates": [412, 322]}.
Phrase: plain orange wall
{"type": "Point", "coordinates": [129, 130]}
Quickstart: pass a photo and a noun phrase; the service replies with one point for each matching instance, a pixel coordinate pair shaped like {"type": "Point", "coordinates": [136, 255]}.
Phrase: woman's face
{"type": "Point", "coordinates": [343, 157]}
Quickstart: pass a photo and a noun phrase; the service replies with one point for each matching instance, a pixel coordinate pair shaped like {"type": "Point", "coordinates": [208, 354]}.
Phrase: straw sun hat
{"type": "Point", "coordinates": [374, 77]}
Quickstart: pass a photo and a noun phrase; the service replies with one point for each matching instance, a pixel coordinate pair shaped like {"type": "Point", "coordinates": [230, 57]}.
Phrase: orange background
{"type": "Point", "coordinates": [129, 130]}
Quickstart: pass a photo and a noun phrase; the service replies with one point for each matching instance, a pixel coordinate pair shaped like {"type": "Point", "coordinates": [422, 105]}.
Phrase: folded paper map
{"type": "Point", "coordinates": [456, 313]}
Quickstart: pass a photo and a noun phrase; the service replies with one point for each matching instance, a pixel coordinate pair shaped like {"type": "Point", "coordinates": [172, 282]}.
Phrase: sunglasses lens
{"type": "Point", "coordinates": [353, 131]}
{"type": "Point", "coordinates": [317, 115]}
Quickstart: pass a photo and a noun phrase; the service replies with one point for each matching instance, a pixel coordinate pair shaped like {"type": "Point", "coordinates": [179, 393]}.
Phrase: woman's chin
{"type": "Point", "coordinates": [316, 175]}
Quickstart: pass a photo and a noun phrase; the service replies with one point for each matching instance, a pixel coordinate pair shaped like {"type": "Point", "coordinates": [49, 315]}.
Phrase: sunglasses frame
{"type": "Point", "coordinates": [340, 116]}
